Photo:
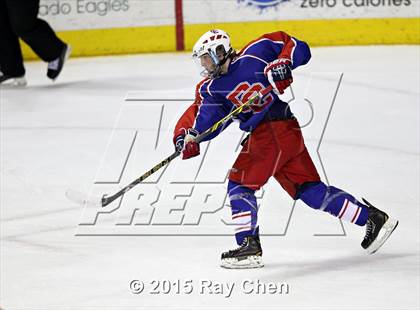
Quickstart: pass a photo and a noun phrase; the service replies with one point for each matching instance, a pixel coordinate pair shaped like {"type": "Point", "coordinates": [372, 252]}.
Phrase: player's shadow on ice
{"type": "Point", "coordinates": [306, 267]}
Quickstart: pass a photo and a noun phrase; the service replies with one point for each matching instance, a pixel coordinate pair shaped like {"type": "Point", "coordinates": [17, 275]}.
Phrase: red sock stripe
{"type": "Point", "coordinates": [356, 215]}
{"type": "Point", "coordinates": [343, 210]}
{"type": "Point", "coordinates": [241, 215]}
{"type": "Point", "coordinates": [243, 228]}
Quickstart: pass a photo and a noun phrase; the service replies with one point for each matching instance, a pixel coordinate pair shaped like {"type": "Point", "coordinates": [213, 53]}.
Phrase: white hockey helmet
{"type": "Point", "coordinates": [215, 42]}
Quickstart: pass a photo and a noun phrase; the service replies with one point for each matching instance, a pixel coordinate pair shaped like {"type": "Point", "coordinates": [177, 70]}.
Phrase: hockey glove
{"type": "Point", "coordinates": [187, 145]}
{"type": "Point", "coordinates": [279, 73]}
{"type": "Point", "coordinates": [179, 143]}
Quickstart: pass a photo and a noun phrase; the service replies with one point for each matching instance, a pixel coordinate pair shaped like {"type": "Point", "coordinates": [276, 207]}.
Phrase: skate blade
{"type": "Point", "coordinates": [250, 262]}
{"type": "Point", "coordinates": [19, 82]}
{"type": "Point", "coordinates": [15, 83]}
{"type": "Point", "coordinates": [82, 198]}
{"type": "Point", "coordinates": [383, 235]}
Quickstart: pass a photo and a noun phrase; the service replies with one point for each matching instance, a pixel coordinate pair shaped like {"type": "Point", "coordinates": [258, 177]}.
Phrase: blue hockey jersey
{"type": "Point", "coordinates": [215, 98]}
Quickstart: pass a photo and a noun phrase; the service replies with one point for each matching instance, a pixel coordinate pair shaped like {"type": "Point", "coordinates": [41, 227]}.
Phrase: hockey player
{"type": "Point", "coordinates": [275, 146]}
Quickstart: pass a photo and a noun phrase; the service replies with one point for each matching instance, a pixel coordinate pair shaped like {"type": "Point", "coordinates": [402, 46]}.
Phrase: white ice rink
{"type": "Point", "coordinates": [82, 129]}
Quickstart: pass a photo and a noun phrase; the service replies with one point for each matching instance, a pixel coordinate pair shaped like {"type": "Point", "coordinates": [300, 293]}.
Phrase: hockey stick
{"type": "Point", "coordinates": [106, 200]}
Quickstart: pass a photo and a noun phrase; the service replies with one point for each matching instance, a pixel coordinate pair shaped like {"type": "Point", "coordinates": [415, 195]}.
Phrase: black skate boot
{"type": "Point", "coordinates": [55, 66]}
{"type": "Point", "coordinates": [379, 227]}
{"type": "Point", "coordinates": [248, 255]}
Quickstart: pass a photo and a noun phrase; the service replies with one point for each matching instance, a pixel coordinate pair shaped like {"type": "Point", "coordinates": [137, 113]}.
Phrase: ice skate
{"type": "Point", "coordinates": [18, 81]}
{"type": "Point", "coordinates": [55, 66]}
{"type": "Point", "coordinates": [247, 255]}
{"type": "Point", "coordinates": [379, 227]}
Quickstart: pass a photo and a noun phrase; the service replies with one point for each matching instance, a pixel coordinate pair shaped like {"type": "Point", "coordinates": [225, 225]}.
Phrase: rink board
{"type": "Point", "coordinates": [322, 32]}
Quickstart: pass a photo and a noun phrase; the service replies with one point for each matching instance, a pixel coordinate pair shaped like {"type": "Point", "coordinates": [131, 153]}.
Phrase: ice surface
{"type": "Point", "coordinates": [80, 130]}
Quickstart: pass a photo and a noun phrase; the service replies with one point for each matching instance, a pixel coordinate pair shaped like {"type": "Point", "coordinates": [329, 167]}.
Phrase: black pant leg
{"type": "Point", "coordinates": [36, 32]}
{"type": "Point", "coordinates": [11, 62]}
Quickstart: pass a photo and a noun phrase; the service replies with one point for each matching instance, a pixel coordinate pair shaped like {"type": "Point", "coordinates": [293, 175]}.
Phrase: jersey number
{"type": "Point", "coordinates": [244, 91]}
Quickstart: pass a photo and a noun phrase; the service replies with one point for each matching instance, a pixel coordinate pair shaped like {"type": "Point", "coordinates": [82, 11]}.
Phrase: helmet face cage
{"type": "Point", "coordinates": [214, 43]}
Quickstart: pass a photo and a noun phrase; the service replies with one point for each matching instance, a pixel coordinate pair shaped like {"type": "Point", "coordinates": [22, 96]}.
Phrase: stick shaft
{"type": "Point", "coordinates": [106, 200]}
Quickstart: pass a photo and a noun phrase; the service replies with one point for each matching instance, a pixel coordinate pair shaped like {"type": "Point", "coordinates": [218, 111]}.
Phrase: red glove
{"type": "Point", "coordinates": [279, 73]}
{"type": "Point", "coordinates": [187, 145]}
{"type": "Point", "coordinates": [191, 149]}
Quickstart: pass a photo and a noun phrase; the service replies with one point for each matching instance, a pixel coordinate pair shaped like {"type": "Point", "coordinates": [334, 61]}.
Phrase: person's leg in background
{"type": "Point", "coordinates": [37, 33]}
{"type": "Point", "coordinates": [11, 61]}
